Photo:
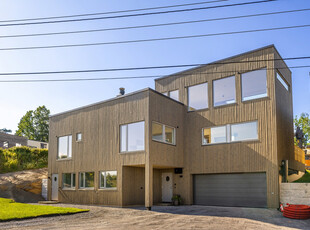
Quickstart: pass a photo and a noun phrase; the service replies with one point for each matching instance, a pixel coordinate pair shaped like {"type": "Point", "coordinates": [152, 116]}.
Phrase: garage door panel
{"type": "Point", "coordinates": [246, 190]}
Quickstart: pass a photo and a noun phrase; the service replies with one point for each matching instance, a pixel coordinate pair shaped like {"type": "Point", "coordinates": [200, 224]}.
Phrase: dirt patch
{"type": "Point", "coordinates": [24, 186]}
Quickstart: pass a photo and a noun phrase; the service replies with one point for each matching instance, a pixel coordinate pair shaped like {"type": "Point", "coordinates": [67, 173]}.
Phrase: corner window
{"type": "Point", "coordinates": [282, 81]}
{"type": "Point", "coordinates": [86, 180]}
{"type": "Point", "coordinates": [108, 179]}
{"type": "Point", "coordinates": [224, 91]}
{"type": "Point", "coordinates": [132, 137]}
{"type": "Point", "coordinates": [79, 137]}
{"type": "Point", "coordinates": [214, 135]}
{"type": "Point", "coordinates": [254, 84]}
{"type": "Point", "coordinates": [64, 147]}
{"type": "Point", "coordinates": [198, 97]}
{"type": "Point", "coordinates": [163, 133]}
{"type": "Point", "coordinates": [68, 180]}
{"type": "Point", "coordinates": [244, 131]}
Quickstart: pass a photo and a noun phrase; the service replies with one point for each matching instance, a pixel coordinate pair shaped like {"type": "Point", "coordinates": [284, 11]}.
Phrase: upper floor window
{"type": "Point", "coordinates": [230, 133]}
{"type": "Point", "coordinates": [79, 137]}
{"type": "Point", "coordinates": [254, 84]}
{"type": "Point", "coordinates": [132, 137]}
{"type": "Point", "coordinates": [244, 131]}
{"type": "Point", "coordinates": [214, 135]}
{"type": "Point", "coordinates": [282, 81]}
{"type": "Point", "coordinates": [174, 94]}
{"type": "Point", "coordinates": [224, 91]}
{"type": "Point", "coordinates": [163, 133]}
{"type": "Point", "coordinates": [86, 180]}
{"type": "Point", "coordinates": [68, 180]}
{"type": "Point", "coordinates": [64, 147]}
{"type": "Point", "coordinates": [198, 97]}
{"type": "Point", "coordinates": [108, 179]}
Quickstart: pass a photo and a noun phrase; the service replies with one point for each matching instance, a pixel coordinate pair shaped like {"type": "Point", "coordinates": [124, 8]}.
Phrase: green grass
{"type": "Point", "coordinates": [10, 210]}
{"type": "Point", "coordinates": [305, 178]}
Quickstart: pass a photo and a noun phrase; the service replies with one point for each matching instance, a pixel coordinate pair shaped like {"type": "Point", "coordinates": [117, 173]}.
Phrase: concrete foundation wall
{"type": "Point", "coordinates": [295, 193]}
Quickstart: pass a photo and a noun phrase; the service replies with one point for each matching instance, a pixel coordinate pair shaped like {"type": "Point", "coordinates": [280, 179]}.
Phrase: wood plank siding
{"type": "Point", "coordinates": [139, 173]}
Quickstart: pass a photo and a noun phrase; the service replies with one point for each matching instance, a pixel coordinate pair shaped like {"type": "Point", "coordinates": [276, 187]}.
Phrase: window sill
{"type": "Point", "coordinates": [108, 189]}
{"type": "Point", "coordinates": [256, 99]}
{"type": "Point", "coordinates": [232, 142]}
{"type": "Point", "coordinates": [64, 159]}
{"type": "Point", "coordinates": [68, 189]}
{"type": "Point", "coordinates": [133, 152]}
{"type": "Point", "coordinates": [226, 105]}
{"type": "Point", "coordinates": [86, 189]}
{"type": "Point", "coordinates": [197, 110]}
{"type": "Point", "coordinates": [162, 142]}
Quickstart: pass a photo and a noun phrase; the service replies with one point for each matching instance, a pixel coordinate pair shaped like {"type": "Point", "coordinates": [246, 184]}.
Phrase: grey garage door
{"type": "Point", "coordinates": [244, 190]}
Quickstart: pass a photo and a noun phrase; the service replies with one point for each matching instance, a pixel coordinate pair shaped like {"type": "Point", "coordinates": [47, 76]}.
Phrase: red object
{"type": "Point", "coordinates": [297, 211]}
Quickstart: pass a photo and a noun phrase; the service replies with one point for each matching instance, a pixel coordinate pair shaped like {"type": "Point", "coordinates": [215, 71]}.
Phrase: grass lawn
{"type": "Point", "coordinates": [304, 179]}
{"type": "Point", "coordinates": [11, 210]}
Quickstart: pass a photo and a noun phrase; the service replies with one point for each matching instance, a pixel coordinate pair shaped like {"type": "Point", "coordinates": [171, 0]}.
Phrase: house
{"type": "Point", "coordinates": [9, 141]}
{"type": "Point", "coordinates": [307, 157]}
{"type": "Point", "coordinates": [217, 134]}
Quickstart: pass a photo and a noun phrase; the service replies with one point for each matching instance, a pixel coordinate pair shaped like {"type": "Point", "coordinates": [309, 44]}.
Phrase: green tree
{"type": "Point", "coordinates": [34, 124]}
{"type": "Point", "coordinates": [303, 122]}
{"type": "Point", "coordinates": [5, 130]}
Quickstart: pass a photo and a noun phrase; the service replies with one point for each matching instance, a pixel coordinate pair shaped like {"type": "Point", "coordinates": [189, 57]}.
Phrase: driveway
{"type": "Point", "coordinates": [163, 217]}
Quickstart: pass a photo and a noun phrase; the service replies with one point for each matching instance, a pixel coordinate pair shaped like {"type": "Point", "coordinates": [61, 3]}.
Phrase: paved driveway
{"type": "Point", "coordinates": [163, 217]}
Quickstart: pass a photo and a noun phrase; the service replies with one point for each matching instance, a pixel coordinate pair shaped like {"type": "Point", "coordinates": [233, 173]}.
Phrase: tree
{"type": "Point", "coordinates": [34, 124]}
{"type": "Point", "coordinates": [5, 130]}
{"type": "Point", "coordinates": [303, 122]}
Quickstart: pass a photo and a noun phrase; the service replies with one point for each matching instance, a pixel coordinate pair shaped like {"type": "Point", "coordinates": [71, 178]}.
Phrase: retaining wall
{"type": "Point", "coordinates": [295, 193]}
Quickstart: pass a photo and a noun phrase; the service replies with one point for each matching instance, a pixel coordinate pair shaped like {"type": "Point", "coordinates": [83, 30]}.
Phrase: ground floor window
{"type": "Point", "coordinates": [108, 179]}
{"type": "Point", "coordinates": [86, 180]}
{"type": "Point", "coordinates": [68, 180]}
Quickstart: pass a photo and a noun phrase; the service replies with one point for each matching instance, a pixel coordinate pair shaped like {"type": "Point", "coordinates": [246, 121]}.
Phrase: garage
{"type": "Point", "coordinates": [238, 189]}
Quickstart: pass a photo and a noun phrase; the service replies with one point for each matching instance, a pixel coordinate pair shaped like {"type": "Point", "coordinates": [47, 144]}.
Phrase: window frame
{"type": "Point", "coordinates": [68, 147]}
{"type": "Point", "coordinates": [227, 129]}
{"type": "Point", "coordinates": [229, 134]}
{"type": "Point", "coordinates": [241, 123]}
{"type": "Point", "coordinates": [84, 181]}
{"type": "Point", "coordinates": [188, 95]}
{"type": "Point", "coordinates": [72, 181]}
{"type": "Point", "coordinates": [120, 138]}
{"type": "Point", "coordinates": [241, 86]}
{"type": "Point", "coordinates": [164, 134]}
{"type": "Point", "coordinates": [76, 137]}
{"type": "Point", "coordinates": [213, 90]}
{"type": "Point", "coordinates": [282, 80]}
{"type": "Point", "coordinates": [105, 180]}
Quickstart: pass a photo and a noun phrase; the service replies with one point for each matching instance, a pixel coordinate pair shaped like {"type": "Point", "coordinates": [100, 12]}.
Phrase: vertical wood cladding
{"type": "Point", "coordinates": [250, 156]}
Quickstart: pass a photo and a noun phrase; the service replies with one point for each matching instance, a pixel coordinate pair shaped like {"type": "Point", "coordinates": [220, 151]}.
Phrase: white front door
{"type": "Point", "coordinates": [167, 187]}
{"type": "Point", "coordinates": [54, 186]}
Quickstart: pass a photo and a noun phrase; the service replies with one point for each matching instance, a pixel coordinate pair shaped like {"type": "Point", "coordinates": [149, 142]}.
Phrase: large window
{"type": "Point", "coordinates": [64, 147]}
{"type": "Point", "coordinates": [230, 133]}
{"type": "Point", "coordinates": [68, 180]}
{"type": "Point", "coordinates": [244, 131]}
{"type": "Point", "coordinates": [254, 84]}
{"type": "Point", "coordinates": [132, 137]}
{"type": "Point", "coordinates": [224, 91]}
{"type": "Point", "coordinates": [86, 180]}
{"type": "Point", "coordinates": [214, 135]}
{"type": "Point", "coordinates": [163, 133]}
{"type": "Point", "coordinates": [282, 81]}
{"type": "Point", "coordinates": [108, 179]}
{"type": "Point", "coordinates": [198, 97]}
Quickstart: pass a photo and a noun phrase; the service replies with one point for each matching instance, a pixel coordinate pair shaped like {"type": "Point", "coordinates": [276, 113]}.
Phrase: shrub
{"type": "Point", "coordinates": [22, 158]}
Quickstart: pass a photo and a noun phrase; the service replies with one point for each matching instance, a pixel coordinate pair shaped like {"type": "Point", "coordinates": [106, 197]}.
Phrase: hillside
{"type": "Point", "coordinates": [22, 158]}
{"type": "Point", "coordinates": [23, 186]}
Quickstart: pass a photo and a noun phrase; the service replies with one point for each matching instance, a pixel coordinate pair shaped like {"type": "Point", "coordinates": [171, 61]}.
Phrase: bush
{"type": "Point", "coordinates": [22, 158]}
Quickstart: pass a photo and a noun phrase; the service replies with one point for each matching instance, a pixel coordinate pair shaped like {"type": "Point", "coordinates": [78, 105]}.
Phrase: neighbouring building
{"type": "Point", "coordinates": [9, 141]}
{"type": "Point", "coordinates": [216, 134]}
{"type": "Point", "coordinates": [307, 157]}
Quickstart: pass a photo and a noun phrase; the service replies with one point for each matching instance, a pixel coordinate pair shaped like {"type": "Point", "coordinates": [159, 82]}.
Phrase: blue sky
{"type": "Point", "coordinates": [17, 98]}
